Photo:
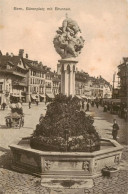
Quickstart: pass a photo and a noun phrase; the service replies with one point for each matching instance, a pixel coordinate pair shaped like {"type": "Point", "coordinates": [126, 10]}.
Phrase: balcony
{"type": "Point", "coordinates": [48, 86]}
{"type": "Point", "coordinates": [41, 85]}
{"type": "Point", "coordinates": [13, 72]}
{"type": "Point", "coordinates": [19, 83]}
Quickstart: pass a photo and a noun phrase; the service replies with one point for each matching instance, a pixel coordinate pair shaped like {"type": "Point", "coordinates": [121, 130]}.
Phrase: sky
{"type": "Point", "coordinates": [104, 26]}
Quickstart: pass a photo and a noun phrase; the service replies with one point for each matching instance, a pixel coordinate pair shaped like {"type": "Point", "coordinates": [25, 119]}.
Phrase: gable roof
{"type": "Point", "coordinates": [34, 65]}
{"type": "Point", "coordinates": [12, 60]}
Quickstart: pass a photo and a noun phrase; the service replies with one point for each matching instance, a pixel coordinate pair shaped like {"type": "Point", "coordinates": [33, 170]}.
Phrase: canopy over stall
{"type": "Point", "coordinates": [49, 97]}
{"type": "Point", "coordinates": [79, 97]}
{"type": "Point", "coordinates": [33, 96]}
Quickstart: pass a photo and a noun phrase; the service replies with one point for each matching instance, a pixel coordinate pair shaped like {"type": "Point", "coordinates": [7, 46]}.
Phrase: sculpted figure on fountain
{"type": "Point", "coordinates": [68, 43]}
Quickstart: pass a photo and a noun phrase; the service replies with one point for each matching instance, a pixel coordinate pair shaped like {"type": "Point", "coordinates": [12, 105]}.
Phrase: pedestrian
{"type": "Point", "coordinates": [41, 118]}
{"type": "Point", "coordinates": [97, 104]}
{"type": "Point", "coordinates": [105, 108]}
{"type": "Point", "coordinates": [115, 130]}
{"type": "Point", "coordinates": [92, 104]}
{"type": "Point", "coordinates": [4, 105]}
{"type": "Point", "coordinates": [29, 104]}
{"type": "Point", "coordinates": [37, 101]}
{"type": "Point", "coordinates": [87, 107]}
{"type": "Point", "coordinates": [21, 102]}
{"type": "Point", "coordinates": [82, 104]}
{"type": "Point", "coordinates": [85, 104]}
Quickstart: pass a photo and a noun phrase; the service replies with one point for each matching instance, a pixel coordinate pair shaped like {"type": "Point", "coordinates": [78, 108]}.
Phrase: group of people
{"type": "Point", "coordinates": [16, 117]}
{"type": "Point", "coordinates": [93, 103]}
{"type": "Point", "coordinates": [84, 105]}
{"type": "Point", "coordinates": [30, 102]}
{"type": "Point", "coordinates": [3, 105]}
{"type": "Point", "coordinates": [116, 108]}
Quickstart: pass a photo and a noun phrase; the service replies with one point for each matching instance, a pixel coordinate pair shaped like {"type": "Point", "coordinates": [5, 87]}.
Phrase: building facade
{"type": "Point", "coordinates": [56, 83]}
{"type": "Point", "coordinates": [81, 83]}
{"type": "Point", "coordinates": [29, 80]}
{"type": "Point", "coordinates": [23, 79]}
{"type": "Point", "coordinates": [101, 88]}
{"type": "Point", "coordinates": [13, 78]}
{"type": "Point", "coordinates": [123, 80]}
{"type": "Point", "coordinates": [35, 80]}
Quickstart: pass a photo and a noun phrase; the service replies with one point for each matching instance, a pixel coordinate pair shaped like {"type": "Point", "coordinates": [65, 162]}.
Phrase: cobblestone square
{"type": "Point", "coordinates": [15, 183]}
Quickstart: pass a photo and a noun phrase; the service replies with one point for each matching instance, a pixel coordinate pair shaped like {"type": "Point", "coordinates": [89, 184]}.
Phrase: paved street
{"type": "Point", "coordinates": [104, 121]}
{"type": "Point", "coordinates": [13, 182]}
{"type": "Point", "coordinates": [9, 136]}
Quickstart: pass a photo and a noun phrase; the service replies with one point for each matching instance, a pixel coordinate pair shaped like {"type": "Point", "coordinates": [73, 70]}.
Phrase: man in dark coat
{"type": "Point", "coordinates": [4, 105]}
{"type": "Point", "coordinates": [87, 107]}
{"type": "Point", "coordinates": [115, 130]}
{"type": "Point", "coordinates": [29, 104]}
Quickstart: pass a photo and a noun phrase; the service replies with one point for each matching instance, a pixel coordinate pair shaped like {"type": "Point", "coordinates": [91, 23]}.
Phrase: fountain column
{"type": "Point", "coordinates": [68, 76]}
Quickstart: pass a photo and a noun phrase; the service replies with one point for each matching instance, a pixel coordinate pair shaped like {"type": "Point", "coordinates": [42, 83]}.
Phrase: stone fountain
{"type": "Point", "coordinates": [58, 168]}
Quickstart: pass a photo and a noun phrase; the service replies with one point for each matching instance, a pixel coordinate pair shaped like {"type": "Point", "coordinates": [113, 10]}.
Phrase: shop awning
{"type": "Point", "coordinates": [22, 96]}
{"type": "Point", "coordinates": [15, 95]}
{"type": "Point", "coordinates": [83, 96]}
{"type": "Point", "coordinates": [92, 97]}
{"type": "Point", "coordinates": [116, 100]}
{"type": "Point", "coordinates": [79, 97]}
{"type": "Point", "coordinates": [41, 95]}
{"type": "Point", "coordinates": [50, 95]}
{"type": "Point", "coordinates": [34, 97]}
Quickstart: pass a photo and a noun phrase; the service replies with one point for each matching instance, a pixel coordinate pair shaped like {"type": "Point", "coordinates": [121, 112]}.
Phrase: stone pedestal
{"type": "Point", "coordinates": [68, 76]}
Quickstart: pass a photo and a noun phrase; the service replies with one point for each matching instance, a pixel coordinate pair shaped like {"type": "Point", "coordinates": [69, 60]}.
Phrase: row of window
{"type": "Point", "coordinates": [48, 84]}
{"type": "Point", "coordinates": [55, 91]}
{"type": "Point", "coordinates": [55, 84]}
{"type": "Point", "coordinates": [38, 74]}
{"type": "Point", "coordinates": [48, 90]}
{"type": "Point", "coordinates": [41, 82]}
{"type": "Point", "coordinates": [35, 89]}
{"type": "Point", "coordinates": [8, 88]}
{"type": "Point", "coordinates": [48, 77]}
{"type": "Point", "coordinates": [36, 81]}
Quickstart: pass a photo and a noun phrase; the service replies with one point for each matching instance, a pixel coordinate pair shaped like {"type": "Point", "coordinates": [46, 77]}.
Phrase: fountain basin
{"type": "Point", "coordinates": [63, 165]}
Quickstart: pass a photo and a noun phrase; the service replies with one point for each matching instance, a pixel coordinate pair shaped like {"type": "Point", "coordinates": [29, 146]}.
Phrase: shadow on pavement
{"type": "Point", "coordinates": [27, 127]}
{"type": "Point", "coordinates": [3, 127]}
{"type": "Point", "coordinates": [5, 158]}
{"type": "Point", "coordinates": [109, 133]}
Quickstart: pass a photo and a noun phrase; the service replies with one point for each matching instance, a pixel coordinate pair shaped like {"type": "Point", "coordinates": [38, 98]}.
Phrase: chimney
{"type": "Point", "coordinates": [26, 56]}
{"type": "Point", "coordinates": [7, 54]}
{"type": "Point", "coordinates": [41, 64]}
{"type": "Point", "coordinates": [11, 55]}
{"type": "Point", "coordinates": [21, 52]}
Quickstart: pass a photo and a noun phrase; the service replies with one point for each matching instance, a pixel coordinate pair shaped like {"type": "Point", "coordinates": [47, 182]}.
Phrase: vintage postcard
{"type": "Point", "coordinates": [64, 96]}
